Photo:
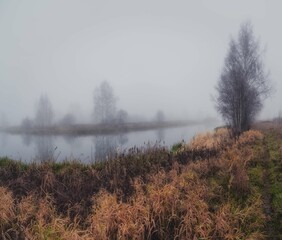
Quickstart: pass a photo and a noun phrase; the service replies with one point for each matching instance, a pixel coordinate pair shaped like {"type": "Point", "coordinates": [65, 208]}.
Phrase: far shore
{"type": "Point", "coordinates": [92, 129]}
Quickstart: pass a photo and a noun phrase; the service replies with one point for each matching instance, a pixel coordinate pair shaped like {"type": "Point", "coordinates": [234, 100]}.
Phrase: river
{"type": "Point", "coordinates": [90, 148]}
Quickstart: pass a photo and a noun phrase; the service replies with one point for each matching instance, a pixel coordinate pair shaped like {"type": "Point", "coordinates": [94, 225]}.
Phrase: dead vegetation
{"type": "Point", "coordinates": [202, 190]}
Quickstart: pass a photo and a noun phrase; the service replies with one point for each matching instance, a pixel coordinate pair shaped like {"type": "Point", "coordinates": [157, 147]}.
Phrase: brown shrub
{"type": "Point", "coordinates": [237, 168]}
{"type": "Point", "coordinates": [170, 205]}
{"type": "Point", "coordinates": [249, 137]}
{"type": "Point", "coordinates": [235, 222]}
{"type": "Point", "coordinates": [210, 140]}
{"type": "Point", "coordinates": [113, 219]}
{"type": "Point", "coordinates": [40, 220]}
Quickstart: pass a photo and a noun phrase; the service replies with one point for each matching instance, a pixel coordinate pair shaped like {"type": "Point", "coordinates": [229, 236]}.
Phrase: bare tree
{"type": "Point", "coordinates": [27, 124]}
{"type": "Point", "coordinates": [68, 120]}
{"type": "Point", "coordinates": [243, 84]}
{"type": "Point", "coordinates": [45, 148]}
{"type": "Point", "coordinates": [121, 116]}
{"type": "Point", "coordinates": [160, 116]}
{"type": "Point", "coordinates": [104, 103]}
{"type": "Point", "coordinates": [44, 113]}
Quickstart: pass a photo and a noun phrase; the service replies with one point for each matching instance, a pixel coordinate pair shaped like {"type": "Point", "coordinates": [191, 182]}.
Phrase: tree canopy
{"type": "Point", "coordinates": [44, 113]}
{"type": "Point", "coordinates": [243, 83]}
{"type": "Point", "coordinates": [104, 103]}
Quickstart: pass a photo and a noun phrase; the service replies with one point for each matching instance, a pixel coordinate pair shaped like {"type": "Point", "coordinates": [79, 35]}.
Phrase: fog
{"type": "Point", "coordinates": [156, 55]}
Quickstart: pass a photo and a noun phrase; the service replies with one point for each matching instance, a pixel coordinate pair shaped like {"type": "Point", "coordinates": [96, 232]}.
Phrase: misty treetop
{"type": "Point", "coordinates": [104, 103]}
{"type": "Point", "coordinates": [105, 109]}
{"type": "Point", "coordinates": [105, 112]}
{"type": "Point", "coordinates": [44, 113]}
{"type": "Point", "coordinates": [243, 84]}
{"type": "Point", "coordinates": [160, 116]}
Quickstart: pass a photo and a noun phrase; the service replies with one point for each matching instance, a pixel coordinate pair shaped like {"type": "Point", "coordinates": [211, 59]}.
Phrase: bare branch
{"type": "Point", "coordinates": [243, 84]}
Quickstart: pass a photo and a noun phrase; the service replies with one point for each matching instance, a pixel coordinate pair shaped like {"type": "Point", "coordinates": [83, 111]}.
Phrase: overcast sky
{"type": "Point", "coordinates": [164, 55]}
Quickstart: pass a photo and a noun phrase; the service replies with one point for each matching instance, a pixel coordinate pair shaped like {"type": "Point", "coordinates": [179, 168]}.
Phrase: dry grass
{"type": "Point", "coordinates": [143, 195]}
{"type": "Point", "coordinates": [6, 213]}
{"type": "Point", "coordinates": [211, 140]}
{"type": "Point", "coordinates": [179, 204]}
{"type": "Point", "coordinates": [170, 205]}
{"type": "Point", "coordinates": [113, 219]}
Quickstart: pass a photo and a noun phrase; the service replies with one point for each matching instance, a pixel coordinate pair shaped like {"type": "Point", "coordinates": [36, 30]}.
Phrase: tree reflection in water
{"type": "Point", "coordinates": [160, 133]}
{"type": "Point", "coordinates": [107, 146]}
{"type": "Point", "coordinates": [3, 139]}
{"type": "Point", "coordinates": [27, 139]}
{"type": "Point", "coordinates": [44, 148]}
{"type": "Point", "coordinates": [104, 146]}
{"type": "Point", "coordinates": [122, 139]}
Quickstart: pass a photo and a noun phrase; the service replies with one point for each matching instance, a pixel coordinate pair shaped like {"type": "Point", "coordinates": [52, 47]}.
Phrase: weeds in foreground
{"type": "Point", "coordinates": [200, 191]}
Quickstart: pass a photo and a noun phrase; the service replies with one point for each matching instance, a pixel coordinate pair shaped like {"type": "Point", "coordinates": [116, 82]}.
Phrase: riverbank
{"type": "Point", "coordinates": [97, 129]}
{"type": "Point", "coordinates": [210, 188]}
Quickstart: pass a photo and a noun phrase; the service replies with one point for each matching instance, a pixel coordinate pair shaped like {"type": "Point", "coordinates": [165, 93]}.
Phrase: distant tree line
{"type": "Point", "coordinates": [104, 111]}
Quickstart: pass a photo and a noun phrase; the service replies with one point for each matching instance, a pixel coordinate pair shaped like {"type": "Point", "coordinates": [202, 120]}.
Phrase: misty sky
{"type": "Point", "coordinates": [164, 55]}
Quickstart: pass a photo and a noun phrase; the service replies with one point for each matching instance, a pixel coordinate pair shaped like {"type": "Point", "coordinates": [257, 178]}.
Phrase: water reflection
{"type": "Point", "coordinates": [88, 148]}
{"type": "Point", "coordinates": [160, 134]}
{"type": "Point", "coordinates": [3, 139]}
{"type": "Point", "coordinates": [27, 139]}
{"type": "Point", "coordinates": [105, 146]}
{"type": "Point", "coordinates": [108, 145]}
{"type": "Point", "coordinates": [71, 140]}
{"type": "Point", "coordinates": [44, 148]}
{"type": "Point", "coordinates": [122, 139]}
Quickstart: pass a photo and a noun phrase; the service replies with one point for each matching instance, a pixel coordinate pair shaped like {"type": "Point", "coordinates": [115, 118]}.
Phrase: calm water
{"type": "Point", "coordinates": [88, 148]}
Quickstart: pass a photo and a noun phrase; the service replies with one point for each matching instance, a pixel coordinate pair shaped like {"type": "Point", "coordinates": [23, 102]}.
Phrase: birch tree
{"type": "Point", "coordinates": [243, 84]}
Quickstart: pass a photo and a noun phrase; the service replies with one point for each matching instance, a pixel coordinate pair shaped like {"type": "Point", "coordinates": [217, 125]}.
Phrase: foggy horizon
{"type": "Point", "coordinates": [156, 55]}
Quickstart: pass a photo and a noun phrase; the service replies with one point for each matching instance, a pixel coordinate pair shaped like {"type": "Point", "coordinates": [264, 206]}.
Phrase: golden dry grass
{"type": "Point", "coordinates": [210, 140]}
{"type": "Point", "coordinates": [208, 198]}
{"type": "Point", "coordinates": [6, 205]}
{"type": "Point", "coordinates": [177, 204]}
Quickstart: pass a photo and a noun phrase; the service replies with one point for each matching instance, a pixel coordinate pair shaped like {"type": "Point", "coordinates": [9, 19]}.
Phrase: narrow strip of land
{"type": "Point", "coordinates": [91, 129]}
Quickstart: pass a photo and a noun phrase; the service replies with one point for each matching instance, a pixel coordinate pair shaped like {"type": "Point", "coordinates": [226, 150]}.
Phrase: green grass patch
{"type": "Point", "coordinates": [176, 147]}
{"type": "Point", "coordinates": [256, 176]}
{"type": "Point", "coordinates": [274, 143]}
{"type": "Point", "coordinates": [6, 162]}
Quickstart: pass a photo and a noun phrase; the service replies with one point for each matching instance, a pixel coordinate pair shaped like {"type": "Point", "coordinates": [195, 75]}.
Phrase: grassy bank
{"type": "Point", "coordinates": [211, 188]}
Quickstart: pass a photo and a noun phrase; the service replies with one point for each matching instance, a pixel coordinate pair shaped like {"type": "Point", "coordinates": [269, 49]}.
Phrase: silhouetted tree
{"type": "Point", "coordinates": [160, 117]}
{"type": "Point", "coordinates": [104, 103]}
{"type": "Point", "coordinates": [243, 84]}
{"type": "Point", "coordinates": [27, 124]}
{"type": "Point", "coordinates": [105, 147]}
{"type": "Point", "coordinates": [68, 119]}
{"type": "Point", "coordinates": [121, 116]}
{"type": "Point", "coordinates": [45, 148]}
{"type": "Point", "coordinates": [44, 113]}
